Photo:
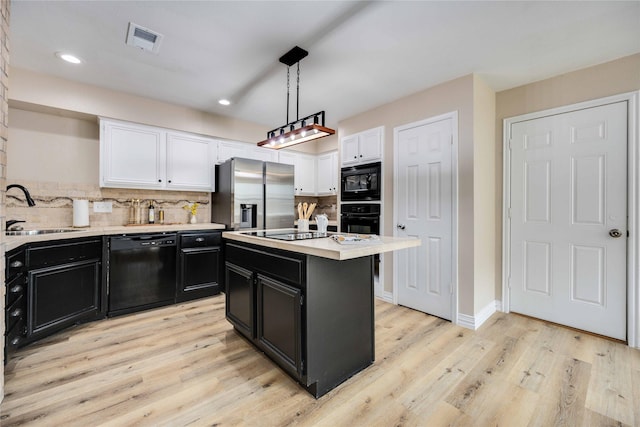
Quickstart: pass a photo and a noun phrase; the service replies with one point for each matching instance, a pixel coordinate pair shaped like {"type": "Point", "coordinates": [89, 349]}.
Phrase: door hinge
{"type": "Point", "coordinates": [301, 299]}
{"type": "Point", "coordinates": [510, 145]}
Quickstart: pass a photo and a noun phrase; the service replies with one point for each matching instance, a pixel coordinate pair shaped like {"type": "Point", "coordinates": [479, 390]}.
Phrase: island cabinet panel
{"type": "Point", "coordinates": [279, 323]}
{"type": "Point", "coordinates": [339, 329]}
{"type": "Point", "coordinates": [240, 299]}
{"type": "Point", "coordinates": [312, 316]}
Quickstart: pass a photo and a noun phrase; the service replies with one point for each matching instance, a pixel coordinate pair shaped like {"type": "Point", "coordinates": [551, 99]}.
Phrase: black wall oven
{"type": "Point", "coordinates": [361, 183]}
{"type": "Point", "coordinates": [362, 218]}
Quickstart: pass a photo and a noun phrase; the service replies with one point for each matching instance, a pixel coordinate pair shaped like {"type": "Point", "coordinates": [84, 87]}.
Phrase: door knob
{"type": "Point", "coordinates": [614, 232]}
{"type": "Point", "coordinates": [401, 226]}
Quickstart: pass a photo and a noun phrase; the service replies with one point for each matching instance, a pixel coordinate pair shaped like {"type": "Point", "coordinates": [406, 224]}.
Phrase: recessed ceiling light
{"type": "Point", "coordinates": [69, 58]}
{"type": "Point", "coordinates": [224, 102]}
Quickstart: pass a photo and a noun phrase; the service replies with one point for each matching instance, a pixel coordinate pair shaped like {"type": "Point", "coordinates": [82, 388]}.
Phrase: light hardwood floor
{"type": "Point", "coordinates": [184, 365]}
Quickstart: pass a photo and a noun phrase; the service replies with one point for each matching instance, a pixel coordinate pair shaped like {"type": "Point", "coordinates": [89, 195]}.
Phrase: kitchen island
{"type": "Point", "coordinates": [307, 304]}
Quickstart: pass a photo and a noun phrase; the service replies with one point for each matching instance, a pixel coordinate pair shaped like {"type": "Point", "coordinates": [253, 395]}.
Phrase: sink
{"type": "Point", "coordinates": [37, 232]}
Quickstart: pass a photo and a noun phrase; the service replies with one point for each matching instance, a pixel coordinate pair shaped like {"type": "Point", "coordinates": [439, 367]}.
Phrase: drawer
{"type": "Point", "coordinates": [15, 264]}
{"type": "Point", "coordinates": [16, 312]}
{"type": "Point", "coordinates": [277, 264]}
{"type": "Point", "coordinates": [15, 336]}
{"type": "Point", "coordinates": [61, 253]}
{"type": "Point", "coordinates": [196, 240]}
{"type": "Point", "coordinates": [15, 288]}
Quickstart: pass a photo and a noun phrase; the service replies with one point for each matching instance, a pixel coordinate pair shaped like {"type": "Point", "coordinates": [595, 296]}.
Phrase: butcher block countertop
{"type": "Point", "coordinates": [326, 247]}
{"type": "Point", "coordinates": [13, 242]}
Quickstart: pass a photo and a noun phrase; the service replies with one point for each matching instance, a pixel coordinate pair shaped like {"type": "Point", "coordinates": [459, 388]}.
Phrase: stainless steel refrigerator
{"type": "Point", "coordinates": [253, 194]}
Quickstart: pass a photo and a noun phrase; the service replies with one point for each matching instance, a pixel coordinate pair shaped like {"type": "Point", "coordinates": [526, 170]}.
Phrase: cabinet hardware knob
{"type": "Point", "coordinates": [16, 289]}
{"type": "Point", "coordinates": [401, 226]}
{"type": "Point", "coordinates": [169, 181]}
{"type": "Point", "coordinates": [159, 180]}
{"type": "Point", "coordinates": [16, 264]}
{"type": "Point", "coordinates": [16, 313]}
{"type": "Point", "coordinates": [200, 239]}
{"type": "Point", "coordinates": [16, 340]}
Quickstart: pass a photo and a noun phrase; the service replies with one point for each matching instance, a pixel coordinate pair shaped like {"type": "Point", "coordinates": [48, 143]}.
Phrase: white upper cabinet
{"type": "Point", "coordinates": [189, 162]}
{"type": "Point", "coordinates": [229, 149]}
{"type": "Point", "coordinates": [304, 172]}
{"type": "Point", "coordinates": [363, 147]}
{"type": "Point", "coordinates": [131, 156]}
{"type": "Point", "coordinates": [147, 157]}
{"type": "Point", "coordinates": [264, 154]}
{"type": "Point", "coordinates": [327, 174]}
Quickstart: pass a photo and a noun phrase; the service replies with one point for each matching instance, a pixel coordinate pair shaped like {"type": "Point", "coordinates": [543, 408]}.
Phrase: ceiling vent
{"type": "Point", "coordinates": [143, 38]}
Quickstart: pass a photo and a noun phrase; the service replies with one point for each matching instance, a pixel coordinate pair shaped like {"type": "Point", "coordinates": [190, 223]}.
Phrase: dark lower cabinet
{"type": "Point", "coordinates": [63, 295]}
{"type": "Point", "coordinates": [64, 285]}
{"type": "Point", "coordinates": [240, 299]}
{"type": "Point", "coordinates": [279, 323]}
{"type": "Point", "coordinates": [200, 265]}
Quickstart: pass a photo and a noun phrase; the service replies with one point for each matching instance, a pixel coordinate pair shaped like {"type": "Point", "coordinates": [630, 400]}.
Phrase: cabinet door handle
{"type": "Point", "coordinates": [159, 180]}
{"type": "Point", "coordinates": [200, 239]}
{"type": "Point", "coordinates": [16, 264]}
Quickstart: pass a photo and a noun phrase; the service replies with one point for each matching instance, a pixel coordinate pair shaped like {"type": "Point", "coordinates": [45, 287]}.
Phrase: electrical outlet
{"type": "Point", "coordinates": [103, 207]}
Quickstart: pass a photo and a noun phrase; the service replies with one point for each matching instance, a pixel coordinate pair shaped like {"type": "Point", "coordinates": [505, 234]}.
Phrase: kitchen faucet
{"type": "Point", "coordinates": [30, 201]}
{"type": "Point", "coordinates": [10, 222]}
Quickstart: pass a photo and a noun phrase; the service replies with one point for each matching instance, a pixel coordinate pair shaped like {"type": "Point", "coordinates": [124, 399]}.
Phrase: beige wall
{"type": "Point", "coordinates": [610, 78]}
{"type": "Point", "coordinates": [52, 95]}
{"type": "Point", "coordinates": [456, 95]}
{"type": "Point", "coordinates": [484, 208]}
{"type": "Point", "coordinates": [29, 88]}
{"type": "Point", "coordinates": [52, 148]}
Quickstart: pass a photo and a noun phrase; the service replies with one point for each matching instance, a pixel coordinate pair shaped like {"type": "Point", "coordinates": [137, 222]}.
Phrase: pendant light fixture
{"type": "Point", "coordinates": [301, 129]}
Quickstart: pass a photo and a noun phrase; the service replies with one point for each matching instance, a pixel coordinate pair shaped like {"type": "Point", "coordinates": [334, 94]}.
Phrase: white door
{"type": "Point", "coordinates": [423, 191]}
{"type": "Point", "coordinates": [569, 219]}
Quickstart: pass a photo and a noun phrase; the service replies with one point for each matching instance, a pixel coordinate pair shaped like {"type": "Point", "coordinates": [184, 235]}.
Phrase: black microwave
{"type": "Point", "coordinates": [362, 182]}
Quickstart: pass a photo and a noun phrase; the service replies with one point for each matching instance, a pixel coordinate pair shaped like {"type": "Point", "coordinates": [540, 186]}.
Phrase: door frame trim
{"type": "Point", "coordinates": [633, 201]}
{"type": "Point", "coordinates": [453, 115]}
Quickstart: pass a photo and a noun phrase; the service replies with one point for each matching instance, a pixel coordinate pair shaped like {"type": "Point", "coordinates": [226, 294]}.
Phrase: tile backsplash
{"type": "Point", "coordinates": [325, 205]}
{"type": "Point", "coordinates": [54, 204]}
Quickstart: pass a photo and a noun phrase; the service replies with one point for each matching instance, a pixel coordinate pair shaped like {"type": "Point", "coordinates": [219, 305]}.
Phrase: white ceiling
{"type": "Point", "coordinates": [361, 54]}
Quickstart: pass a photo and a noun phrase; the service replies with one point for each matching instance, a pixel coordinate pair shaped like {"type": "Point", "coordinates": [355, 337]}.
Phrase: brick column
{"type": "Point", "coordinates": [5, 6]}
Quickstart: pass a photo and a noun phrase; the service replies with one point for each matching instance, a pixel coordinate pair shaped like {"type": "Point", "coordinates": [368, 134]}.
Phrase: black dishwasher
{"type": "Point", "coordinates": [142, 272]}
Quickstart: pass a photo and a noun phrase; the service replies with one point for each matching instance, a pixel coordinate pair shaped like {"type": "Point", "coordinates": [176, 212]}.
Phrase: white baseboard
{"type": "Point", "coordinates": [474, 322]}
{"type": "Point", "coordinates": [386, 296]}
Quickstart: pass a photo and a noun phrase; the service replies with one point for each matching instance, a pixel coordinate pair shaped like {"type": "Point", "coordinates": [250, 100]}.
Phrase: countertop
{"type": "Point", "coordinates": [327, 247]}
{"type": "Point", "coordinates": [13, 242]}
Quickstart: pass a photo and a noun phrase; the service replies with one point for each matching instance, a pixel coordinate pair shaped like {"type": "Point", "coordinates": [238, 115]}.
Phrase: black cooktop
{"type": "Point", "coordinates": [288, 234]}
